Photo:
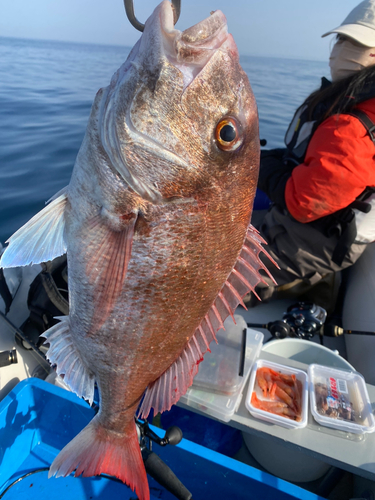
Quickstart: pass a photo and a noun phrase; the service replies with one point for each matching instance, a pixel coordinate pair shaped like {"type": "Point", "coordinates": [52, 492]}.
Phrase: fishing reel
{"type": "Point", "coordinates": [301, 320]}
{"type": "Point", "coordinates": [147, 436]}
{"type": "Point", "coordinates": [154, 465]}
{"type": "Point", "coordinates": [304, 319]}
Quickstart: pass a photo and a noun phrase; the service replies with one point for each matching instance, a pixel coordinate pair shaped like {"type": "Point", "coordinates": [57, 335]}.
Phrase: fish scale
{"type": "Point", "coordinates": [155, 223]}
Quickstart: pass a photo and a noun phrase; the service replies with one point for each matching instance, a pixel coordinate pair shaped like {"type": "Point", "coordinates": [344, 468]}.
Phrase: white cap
{"type": "Point", "coordinates": [359, 24]}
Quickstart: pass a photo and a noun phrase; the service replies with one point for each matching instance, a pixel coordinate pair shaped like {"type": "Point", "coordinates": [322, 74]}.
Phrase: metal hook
{"type": "Point", "coordinates": [129, 9]}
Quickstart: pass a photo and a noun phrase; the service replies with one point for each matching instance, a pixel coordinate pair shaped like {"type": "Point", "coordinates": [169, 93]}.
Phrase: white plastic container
{"type": "Point", "coordinates": [215, 402]}
{"type": "Point", "coordinates": [220, 370]}
{"type": "Point", "coordinates": [271, 417]}
{"type": "Point", "coordinates": [339, 399]}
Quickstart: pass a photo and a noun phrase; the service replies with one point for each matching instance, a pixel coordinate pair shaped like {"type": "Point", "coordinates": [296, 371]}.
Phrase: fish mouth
{"type": "Point", "coordinates": [191, 49]}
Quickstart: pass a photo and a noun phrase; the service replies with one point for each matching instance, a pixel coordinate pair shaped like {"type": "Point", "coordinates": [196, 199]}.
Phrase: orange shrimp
{"type": "Point", "coordinates": [276, 407]}
{"type": "Point", "coordinates": [283, 393]}
{"type": "Point", "coordinates": [298, 396]}
{"type": "Point", "coordinates": [271, 406]}
{"type": "Point", "coordinates": [289, 413]}
{"type": "Point", "coordinates": [288, 379]}
{"type": "Point", "coordinates": [273, 390]}
{"type": "Point", "coordinates": [275, 374]}
{"type": "Point", "coordinates": [262, 381]}
{"type": "Point", "coordinates": [287, 388]}
{"type": "Point", "coordinates": [268, 377]}
{"type": "Point", "coordinates": [283, 396]}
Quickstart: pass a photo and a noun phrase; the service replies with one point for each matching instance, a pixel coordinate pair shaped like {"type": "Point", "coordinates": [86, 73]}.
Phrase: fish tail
{"type": "Point", "coordinates": [96, 450]}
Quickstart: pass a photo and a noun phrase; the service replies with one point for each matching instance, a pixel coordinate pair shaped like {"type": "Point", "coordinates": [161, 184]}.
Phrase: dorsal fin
{"type": "Point", "coordinates": [41, 239]}
{"type": "Point", "coordinates": [244, 277]}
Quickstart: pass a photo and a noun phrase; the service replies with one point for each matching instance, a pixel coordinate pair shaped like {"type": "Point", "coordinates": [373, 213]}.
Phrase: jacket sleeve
{"type": "Point", "coordinates": [338, 166]}
{"type": "Point", "coordinates": [273, 175]}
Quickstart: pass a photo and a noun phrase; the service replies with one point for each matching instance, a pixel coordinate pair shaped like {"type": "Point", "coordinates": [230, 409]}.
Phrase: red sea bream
{"type": "Point", "coordinates": [155, 224]}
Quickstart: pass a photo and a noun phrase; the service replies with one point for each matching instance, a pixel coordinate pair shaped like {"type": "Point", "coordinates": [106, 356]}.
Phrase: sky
{"type": "Point", "coordinates": [275, 28]}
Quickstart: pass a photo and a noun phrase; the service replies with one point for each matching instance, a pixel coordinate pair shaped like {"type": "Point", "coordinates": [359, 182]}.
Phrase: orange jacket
{"type": "Point", "coordinates": [339, 164]}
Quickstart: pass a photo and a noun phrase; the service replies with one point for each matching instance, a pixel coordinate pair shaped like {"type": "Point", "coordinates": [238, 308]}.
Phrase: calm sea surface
{"type": "Point", "coordinates": [46, 92]}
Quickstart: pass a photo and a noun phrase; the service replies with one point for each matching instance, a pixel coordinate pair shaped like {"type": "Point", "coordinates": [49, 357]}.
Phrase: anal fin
{"type": "Point", "coordinates": [63, 353]}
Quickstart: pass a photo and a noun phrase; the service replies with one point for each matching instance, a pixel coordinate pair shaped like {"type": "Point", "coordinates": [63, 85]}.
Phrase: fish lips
{"type": "Point", "coordinates": [189, 51]}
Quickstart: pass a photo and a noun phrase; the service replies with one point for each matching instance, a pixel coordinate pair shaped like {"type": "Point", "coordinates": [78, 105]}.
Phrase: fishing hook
{"type": "Point", "coordinates": [129, 9]}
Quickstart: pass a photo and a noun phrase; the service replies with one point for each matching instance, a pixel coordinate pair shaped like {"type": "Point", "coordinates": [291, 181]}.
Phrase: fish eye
{"type": "Point", "coordinates": [228, 134]}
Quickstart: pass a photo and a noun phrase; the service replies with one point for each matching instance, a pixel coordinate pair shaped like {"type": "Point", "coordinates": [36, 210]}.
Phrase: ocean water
{"type": "Point", "coordinates": [46, 92]}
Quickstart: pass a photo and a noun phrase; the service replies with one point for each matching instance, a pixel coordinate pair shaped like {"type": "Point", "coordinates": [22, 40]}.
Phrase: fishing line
{"type": "Point", "coordinates": [46, 469]}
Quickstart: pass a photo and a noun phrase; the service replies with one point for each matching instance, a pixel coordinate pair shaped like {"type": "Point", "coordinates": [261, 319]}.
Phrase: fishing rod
{"type": "Point", "coordinates": [304, 320]}
{"type": "Point", "coordinates": [154, 465]}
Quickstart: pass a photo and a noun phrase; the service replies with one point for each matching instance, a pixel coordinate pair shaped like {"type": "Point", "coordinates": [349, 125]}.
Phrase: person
{"type": "Point", "coordinates": [321, 185]}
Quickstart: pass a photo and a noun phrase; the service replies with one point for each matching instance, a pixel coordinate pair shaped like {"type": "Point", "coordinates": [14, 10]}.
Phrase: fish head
{"type": "Point", "coordinates": [179, 116]}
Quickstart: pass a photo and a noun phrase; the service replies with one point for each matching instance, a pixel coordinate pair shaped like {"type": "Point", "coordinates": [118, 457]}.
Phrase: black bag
{"type": "Point", "coordinates": [48, 298]}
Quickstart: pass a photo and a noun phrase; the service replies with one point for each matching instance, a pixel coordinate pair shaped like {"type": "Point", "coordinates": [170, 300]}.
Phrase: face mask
{"type": "Point", "coordinates": [347, 58]}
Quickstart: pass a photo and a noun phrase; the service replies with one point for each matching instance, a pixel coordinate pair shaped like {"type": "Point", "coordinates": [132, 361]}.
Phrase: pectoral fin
{"type": "Point", "coordinates": [39, 240]}
{"type": "Point", "coordinates": [107, 263]}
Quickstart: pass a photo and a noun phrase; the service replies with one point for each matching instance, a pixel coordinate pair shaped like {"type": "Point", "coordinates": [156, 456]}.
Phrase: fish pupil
{"type": "Point", "coordinates": [228, 133]}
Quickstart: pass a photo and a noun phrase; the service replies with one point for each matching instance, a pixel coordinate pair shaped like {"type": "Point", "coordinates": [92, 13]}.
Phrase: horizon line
{"type": "Point", "coordinates": [103, 44]}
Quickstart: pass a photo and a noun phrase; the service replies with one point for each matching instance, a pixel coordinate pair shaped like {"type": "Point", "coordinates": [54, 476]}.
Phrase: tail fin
{"type": "Point", "coordinates": [97, 450]}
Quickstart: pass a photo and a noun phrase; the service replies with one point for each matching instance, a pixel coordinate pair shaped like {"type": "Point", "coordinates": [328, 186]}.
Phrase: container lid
{"type": "Point", "coordinates": [221, 370]}
{"type": "Point", "coordinates": [278, 394]}
{"type": "Point", "coordinates": [219, 405]}
{"type": "Point", "coordinates": [339, 399]}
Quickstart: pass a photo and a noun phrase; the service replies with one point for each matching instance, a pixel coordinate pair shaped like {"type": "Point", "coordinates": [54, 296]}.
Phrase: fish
{"type": "Point", "coordinates": [155, 223]}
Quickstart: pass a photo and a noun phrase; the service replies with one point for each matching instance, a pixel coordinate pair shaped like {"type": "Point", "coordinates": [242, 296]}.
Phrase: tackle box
{"type": "Point", "coordinates": [217, 388]}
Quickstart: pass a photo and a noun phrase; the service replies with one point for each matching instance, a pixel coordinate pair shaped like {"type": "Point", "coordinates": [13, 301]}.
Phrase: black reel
{"type": "Point", "coordinates": [154, 465]}
{"type": "Point", "coordinates": [301, 320]}
{"type": "Point", "coordinates": [305, 319]}
{"type": "Point", "coordinates": [147, 436]}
